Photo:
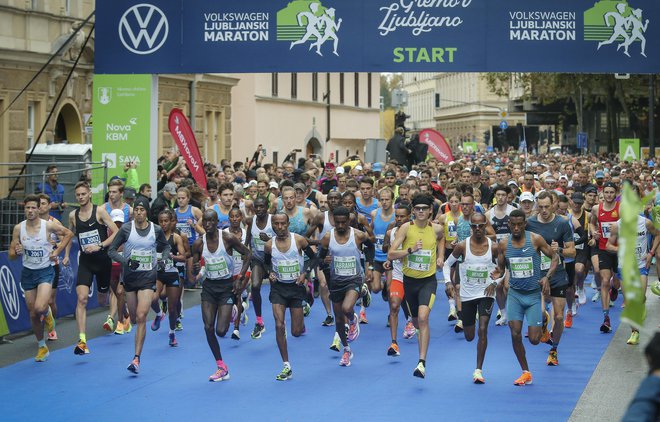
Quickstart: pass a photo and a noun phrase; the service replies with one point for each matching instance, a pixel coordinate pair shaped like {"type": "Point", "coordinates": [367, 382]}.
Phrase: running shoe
{"type": "Point", "coordinates": [222, 374]}
{"type": "Point", "coordinates": [81, 348]}
{"type": "Point", "coordinates": [545, 334]}
{"type": "Point", "coordinates": [346, 358]}
{"type": "Point", "coordinates": [478, 377]}
{"type": "Point", "coordinates": [163, 306]}
{"type": "Point", "coordinates": [42, 354]}
{"type": "Point", "coordinates": [179, 326]}
{"type": "Point", "coordinates": [582, 297]}
{"type": "Point", "coordinates": [173, 342]}
{"type": "Point", "coordinates": [387, 324]}
{"type": "Point", "coordinates": [458, 328]}
{"type": "Point", "coordinates": [568, 321]}
{"type": "Point", "coordinates": [502, 322]}
{"type": "Point", "coordinates": [596, 296]}
{"type": "Point", "coordinates": [393, 350]}
{"type": "Point", "coordinates": [363, 317]}
{"type": "Point", "coordinates": [328, 321]}
{"type": "Point", "coordinates": [306, 309]}
{"type": "Point", "coordinates": [259, 329]}
{"type": "Point", "coordinates": [353, 329]}
{"type": "Point", "coordinates": [409, 330]}
{"type": "Point", "coordinates": [524, 379]}
{"type": "Point", "coordinates": [384, 293]}
{"type": "Point", "coordinates": [234, 313]}
{"type": "Point", "coordinates": [593, 283]}
{"type": "Point", "coordinates": [453, 315]}
{"type": "Point", "coordinates": [606, 327]}
{"type": "Point", "coordinates": [552, 358]}
{"type": "Point", "coordinates": [420, 371]}
{"type": "Point", "coordinates": [119, 329]}
{"type": "Point", "coordinates": [134, 366]}
{"type": "Point", "coordinates": [499, 314]}
{"type": "Point", "coordinates": [52, 335]}
{"type": "Point", "coordinates": [109, 324]}
{"type": "Point", "coordinates": [246, 304]}
{"type": "Point", "coordinates": [127, 325]}
{"type": "Point", "coordinates": [366, 295]}
{"type": "Point", "coordinates": [634, 338]}
{"type": "Point", "coordinates": [574, 308]}
{"type": "Point", "coordinates": [155, 326]}
{"type": "Point", "coordinates": [286, 374]}
{"type": "Point", "coordinates": [336, 343]}
{"type": "Point", "coordinates": [614, 293]}
{"type": "Point", "coordinates": [49, 321]}
{"type": "Point", "coordinates": [235, 335]}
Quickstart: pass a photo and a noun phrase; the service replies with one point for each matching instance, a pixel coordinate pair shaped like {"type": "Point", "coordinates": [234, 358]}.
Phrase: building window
{"type": "Point", "coordinates": [273, 84]}
{"type": "Point", "coordinates": [341, 88]}
{"type": "Point", "coordinates": [294, 86]}
{"type": "Point", "coordinates": [315, 86]}
{"type": "Point", "coordinates": [31, 111]}
{"type": "Point", "coordinates": [369, 90]}
{"type": "Point", "coordinates": [357, 89]}
{"type": "Point", "coordinates": [67, 7]}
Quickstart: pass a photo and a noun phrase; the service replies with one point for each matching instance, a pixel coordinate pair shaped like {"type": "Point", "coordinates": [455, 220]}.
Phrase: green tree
{"type": "Point", "coordinates": [388, 82]}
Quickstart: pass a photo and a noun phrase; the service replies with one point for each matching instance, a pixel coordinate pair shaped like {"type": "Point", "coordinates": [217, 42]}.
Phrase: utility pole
{"type": "Point", "coordinates": [651, 113]}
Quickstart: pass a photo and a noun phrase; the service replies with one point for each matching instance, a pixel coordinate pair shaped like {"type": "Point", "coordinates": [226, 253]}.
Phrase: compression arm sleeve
{"type": "Point", "coordinates": [446, 269]}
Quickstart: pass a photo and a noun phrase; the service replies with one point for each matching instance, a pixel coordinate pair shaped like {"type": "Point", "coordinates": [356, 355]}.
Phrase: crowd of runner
{"type": "Point", "coordinates": [510, 236]}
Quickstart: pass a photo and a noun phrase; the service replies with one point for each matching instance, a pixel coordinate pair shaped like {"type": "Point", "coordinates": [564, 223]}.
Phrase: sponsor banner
{"type": "Point", "coordinates": [438, 146]}
{"type": "Point", "coordinates": [198, 36]}
{"type": "Point", "coordinates": [123, 127]}
{"type": "Point", "coordinates": [12, 296]}
{"type": "Point", "coordinates": [629, 149]}
{"type": "Point", "coordinates": [470, 147]}
{"type": "Point", "coordinates": [185, 139]}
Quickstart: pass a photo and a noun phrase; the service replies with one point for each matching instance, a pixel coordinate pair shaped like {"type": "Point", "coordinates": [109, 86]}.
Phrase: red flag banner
{"type": "Point", "coordinates": [185, 140]}
{"type": "Point", "coordinates": [438, 146]}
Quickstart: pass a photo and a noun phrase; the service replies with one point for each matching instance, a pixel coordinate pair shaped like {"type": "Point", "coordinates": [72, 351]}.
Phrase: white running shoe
{"type": "Point", "coordinates": [502, 321]}
{"type": "Point", "coordinates": [574, 309]}
{"type": "Point", "coordinates": [582, 297]}
{"type": "Point", "coordinates": [596, 296]}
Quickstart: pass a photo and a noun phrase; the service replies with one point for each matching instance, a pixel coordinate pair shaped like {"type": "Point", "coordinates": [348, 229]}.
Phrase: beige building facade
{"type": "Point", "coordinates": [287, 111]}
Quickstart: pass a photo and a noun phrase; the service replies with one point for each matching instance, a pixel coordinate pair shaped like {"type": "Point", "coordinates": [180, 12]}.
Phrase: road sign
{"type": "Point", "coordinates": [582, 140]}
{"type": "Point", "coordinates": [504, 114]}
{"type": "Point", "coordinates": [504, 125]}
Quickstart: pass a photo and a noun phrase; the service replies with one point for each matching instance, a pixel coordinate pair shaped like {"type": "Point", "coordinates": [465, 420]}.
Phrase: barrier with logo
{"type": "Point", "coordinates": [200, 36]}
{"type": "Point", "coordinates": [12, 298]}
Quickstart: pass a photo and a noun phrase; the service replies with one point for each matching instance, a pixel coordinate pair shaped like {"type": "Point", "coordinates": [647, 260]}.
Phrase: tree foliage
{"type": "Point", "coordinates": [388, 82]}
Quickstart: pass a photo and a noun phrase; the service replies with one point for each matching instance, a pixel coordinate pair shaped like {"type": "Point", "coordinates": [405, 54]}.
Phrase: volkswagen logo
{"type": "Point", "coordinates": [9, 292]}
{"type": "Point", "coordinates": [143, 28]}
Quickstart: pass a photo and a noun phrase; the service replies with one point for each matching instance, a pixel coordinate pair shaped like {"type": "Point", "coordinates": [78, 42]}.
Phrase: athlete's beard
{"type": "Point", "coordinates": [283, 236]}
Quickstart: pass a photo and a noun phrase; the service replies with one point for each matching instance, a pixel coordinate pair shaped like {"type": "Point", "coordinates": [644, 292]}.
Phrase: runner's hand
{"type": "Point", "coordinates": [495, 274]}
{"type": "Point", "coordinates": [387, 265]}
{"type": "Point", "coordinates": [53, 257]}
{"type": "Point", "coordinates": [272, 277]}
{"type": "Point", "coordinates": [301, 280]}
{"type": "Point", "coordinates": [418, 245]}
{"type": "Point", "coordinates": [649, 259]}
{"type": "Point", "coordinates": [555, 246]}
{"type": "Point", "coordinates": [133, 264]}
{"type": "Point", "coordinates": [160, 265]}
{"type": "Point", "coordinates": [18, 249]}
{"type": "Point", "coordinates": [545, 286]}
{"type": "Point", "coordinates": [197, 267]}
{"type": "Point", "coordinates": [264, 237]}
{"type": "Point", "coordinates": [440, 262]}
{"type": "Point", "coordinates": [65, 261]}
{"type": "Point", "coordinates": [490, 289]}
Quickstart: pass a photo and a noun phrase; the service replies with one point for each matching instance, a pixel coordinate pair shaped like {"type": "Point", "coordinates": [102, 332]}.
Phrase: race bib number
{"type": "Point", "coordinates": [606, 228]}
{"type": "Point", "coordinates": [33, 256]}
{"type": "Point", "coordinates": [451, 230]}
{"type": "Point", "coordinates": [288, 269]}
{"type": "Point", "coordinates": [216, 268]}
{"type": "Point", "coordinates": [379, 241]}
{"type": "Point", "coordinates": [145, 258]}
{"type": "Point", "coordinates": [500, 236]}
{"type": "Point", "coordinates": [420, 260]}
{"type": "Point", "coordinates": [545, 262]}
{"type": "Point", "coordinates": [258, 244]}
{"type": "Point", "coordinates": [522, 267]}
{"type": "Point", "coordinates": [476, 274]}
{"type": "Point", "coordinates": [576, 237]}
{"type": "Point", "coordinates": [91, 237]}
{"type": "Point", "coordinates": [185, 229]}
{"type": "Point", "coordinates": [238, 258]}
{"type": "Point", "coordinates": [168, 264]}
{"type": "Point", "coordinates": [345, 266]}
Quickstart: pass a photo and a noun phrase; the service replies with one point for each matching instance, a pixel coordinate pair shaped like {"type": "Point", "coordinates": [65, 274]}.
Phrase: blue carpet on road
{"type": "Point", "coordinates": [173, 382]}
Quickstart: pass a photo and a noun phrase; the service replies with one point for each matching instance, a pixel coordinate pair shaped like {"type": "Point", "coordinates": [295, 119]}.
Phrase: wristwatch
{"type": "Point", "coordinates": [101, 247]}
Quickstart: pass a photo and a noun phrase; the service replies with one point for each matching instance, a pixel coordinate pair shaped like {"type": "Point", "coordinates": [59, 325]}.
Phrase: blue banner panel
{"type": "Point", "coordinates": [13, 297]}
{"type": "Point", "coordinates": [208, 36]}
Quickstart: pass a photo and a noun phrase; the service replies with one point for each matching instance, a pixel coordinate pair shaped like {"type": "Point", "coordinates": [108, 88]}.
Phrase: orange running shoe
{"type": "Point", "coordinates": [568, 321]}
{"type": "Point", "coordinates": [524, 379]}
{"type": "Point", "coordinates": [552, 358]}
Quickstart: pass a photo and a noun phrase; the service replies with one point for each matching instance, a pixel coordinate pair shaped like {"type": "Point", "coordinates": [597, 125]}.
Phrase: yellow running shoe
{"type": "Point", "coordinates": [545, 334]}
{"type": "Point", "coordinates": [119, 329]}
{"type": "Point", "coordinates": [81, 348]}
{"type": "Point", "coordinates": [109, 324]}
{"type": "Point", "coordinates": [552, 358]}
{"type": "Point", "coordinates": [49, 320]}
{"type": "Point", "coordinates": [478, 377]}
{"type": "Point", "coordinates": [634, 338]}
{"type": "Point", "coordinates": [42, 354]}
{"type": "Point", "coordinates": [127, 325]}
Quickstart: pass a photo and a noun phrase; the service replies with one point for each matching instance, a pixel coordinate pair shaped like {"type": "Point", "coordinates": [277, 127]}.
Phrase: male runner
{"type": "Point", "coordinates": [421, 256]}
{"type": "Point", "coordinates": [240, 305]}
{"type": "Point", "coordinates": [44, 214]}
{"type": "Point", "coordinates": [603, 216]}
{"type": "Point", "coordinates": [520, 255]}
{"type": "Point", "coordinates": [381, 218]}
{"type": "Point", "coordinates": [259, 231]}
{"type": "Point", "coordinates": [224, 206]}
{"type": "Point", "coordinates": [219, 287]}
{"type": "Point", "coordinates": [141, 238]}
{"type": "Point", "coordinates": [478, 254]}
{"type": "Point", "coordinates": [365, 201]}
{"type": "Point", "coordinates": [90, 224]}
{"type": "Point", "coordinates": [287, 274]}
{"type": "Point", "coordinates": [345, 276]}
{"type": "Point", "coordinates": [582, 252]}
{"type": "Point", "coordinates": [557, 232]}
{"type": "Point", "coordinates": [31, 241]}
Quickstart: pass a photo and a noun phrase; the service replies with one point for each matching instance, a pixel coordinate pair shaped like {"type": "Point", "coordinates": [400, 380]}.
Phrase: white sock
{"type": "Point", "coordinates": [287, 365]}
{"type": "Point", "coordinates": [503, 312]}
{"type": "Point", "coordinates": [171, 331]}
{"type": "Point", "coordinates": [160, 313]}
{"type": "Point", "coordinates": [452, 303]}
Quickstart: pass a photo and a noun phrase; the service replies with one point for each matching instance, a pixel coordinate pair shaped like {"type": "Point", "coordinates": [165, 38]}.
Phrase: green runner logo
{"type": "Point", "coordinates": [615, 21]}
{"type": "Point", "coordinates": [304, 20]}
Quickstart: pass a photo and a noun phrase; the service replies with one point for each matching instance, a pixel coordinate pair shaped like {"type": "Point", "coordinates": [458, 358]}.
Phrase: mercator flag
{"type": "Point", "coordinates": [185, 140]}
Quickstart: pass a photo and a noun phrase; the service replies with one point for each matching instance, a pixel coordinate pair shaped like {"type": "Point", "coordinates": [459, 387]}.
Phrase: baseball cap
{"type": "Point", "coordinates": [358, 167]}
{"type": "Point", "coordinates": [600, 174]}
{"type": "Point", "coordinates": [142, 202]}
{"type": "Point", "coordinates": [390, 173]}
{"type": "Point", "coordinates": [170, 188]}
{"type": "Point", "coordinates": [550, 179]}
{"type": "Point", "coordinates": [377, 167]}
{"type": "Point", "coordinates": [578, 197]}
{"type": "Point", "coordinates": [527, 196]}
{"type": "Point", "coordinates": [590, 189]}
{"type": "Point", "coordinates": [330, 166]}
{"type": "Point", "coordinates": [117, 216]}
{"type": "Point", "coordinates": [475, 171]}
{"type": "Point", "coordinates": [340, 170]}
{"type": "Point", "coordinates": [413, 173]}
{"type": "Point", "coordinates": [512, 183]}
{"type": "Point", "coordinates": [273, 184]}
{"type": "Point", "coordinates": [129, 193]}
{"type": "Point", "coordinates": [300, 187]}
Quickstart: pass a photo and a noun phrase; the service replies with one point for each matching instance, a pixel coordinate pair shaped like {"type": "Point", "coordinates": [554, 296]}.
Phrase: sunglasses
{"type": "Point", "coordinates": [419, 209]}
{"type": "Point", "coordinates": [478, 226]}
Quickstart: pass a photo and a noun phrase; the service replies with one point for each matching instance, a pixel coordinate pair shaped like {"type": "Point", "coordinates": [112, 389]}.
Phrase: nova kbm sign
{"type": "Point", "coordinates": [198, 36]}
